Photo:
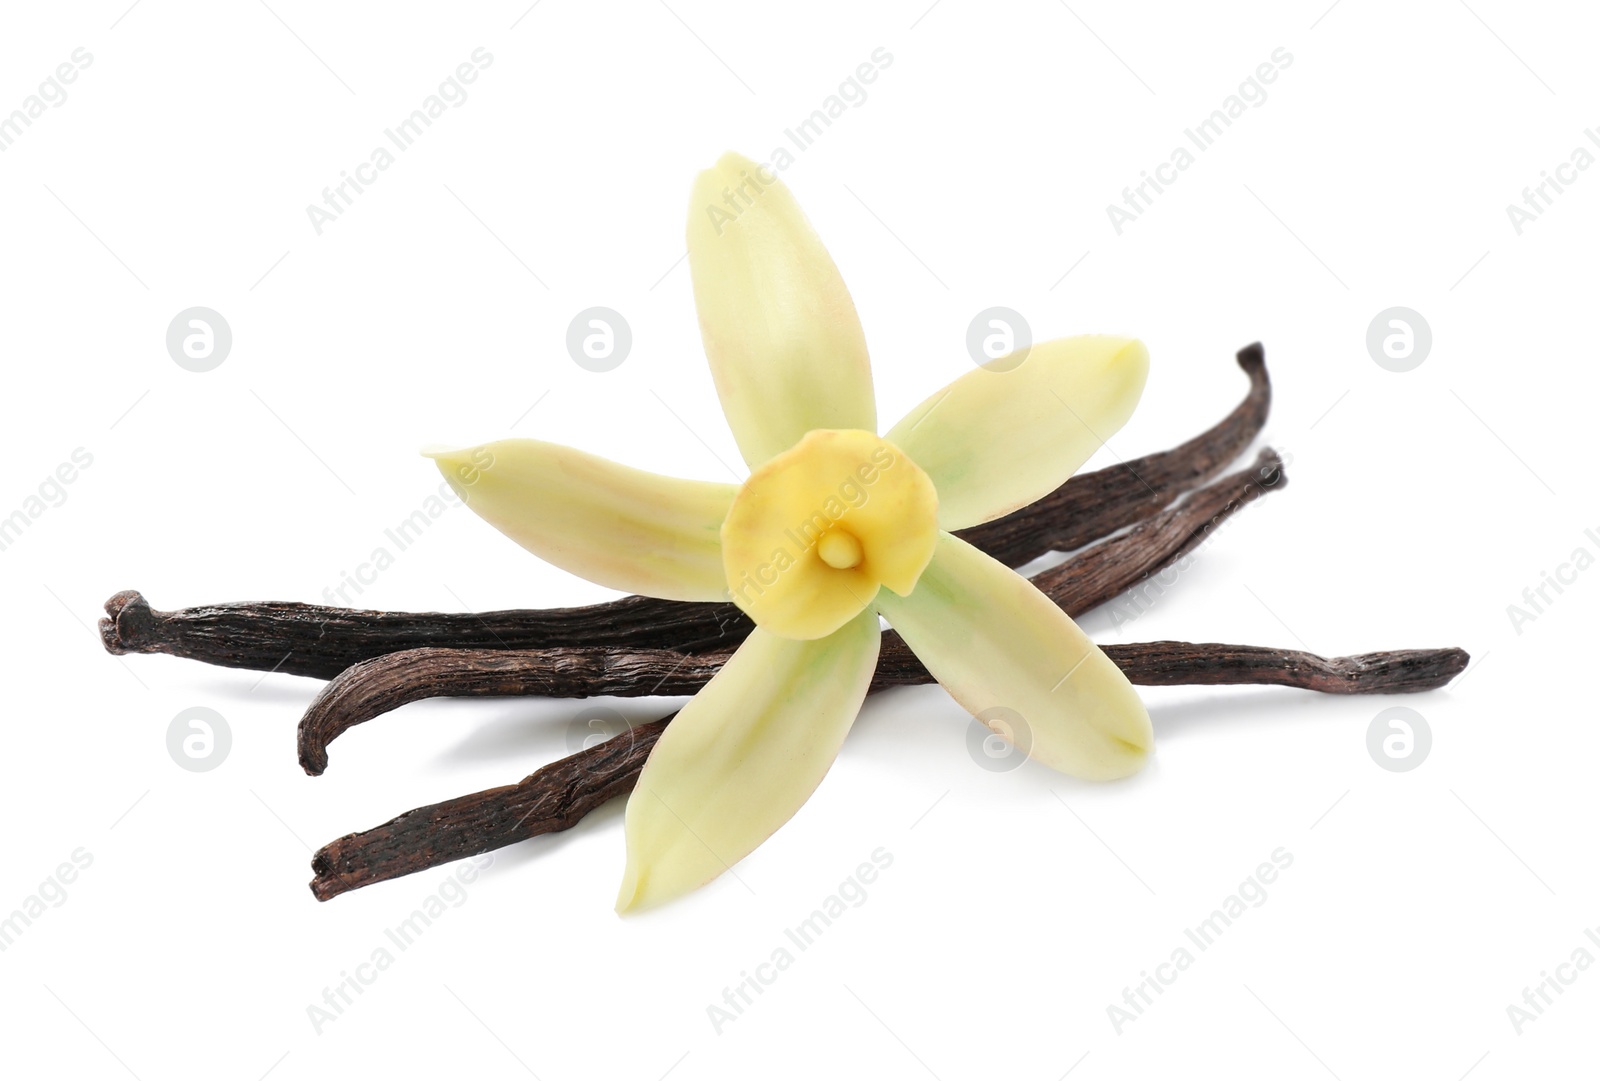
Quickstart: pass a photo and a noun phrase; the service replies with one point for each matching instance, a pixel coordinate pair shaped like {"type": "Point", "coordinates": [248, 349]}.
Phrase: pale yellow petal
{"type": "Point", "coordinates": [786, 349]}
{"type": "Point", "coordinates": [1014, 660]}
{"type": "Point", "coordinates": [1004, 435]}
{"type": "Point", "coordinates": [614, 525]}
{"type": "Point", "coordinates": [739, 760]}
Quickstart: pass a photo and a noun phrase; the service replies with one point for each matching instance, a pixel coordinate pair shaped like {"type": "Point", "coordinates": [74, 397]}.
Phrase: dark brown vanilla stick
{"type": "Point", "coordinates": [558, 795]}
{"type": "Point", "coordinates": [1189, 664]}
{"type": "Point", "coordinates": [322, 641]}
{"type": "Point", "coordinates": [552, 799]}
{"type": "Point", "coordinates": [372, 688]}
{"type": "Point", "coordinates": [376, 686]}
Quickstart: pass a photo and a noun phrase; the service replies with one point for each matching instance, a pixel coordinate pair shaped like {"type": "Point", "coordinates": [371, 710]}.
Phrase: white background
{"type": "Point", "coordinates": [977, 172]}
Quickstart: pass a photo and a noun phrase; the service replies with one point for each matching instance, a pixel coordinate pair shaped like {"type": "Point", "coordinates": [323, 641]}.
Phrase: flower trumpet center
{"type": "Point", "coordinates": [816, 531]}
{"type": "Point", "coordinates": [840, 550]}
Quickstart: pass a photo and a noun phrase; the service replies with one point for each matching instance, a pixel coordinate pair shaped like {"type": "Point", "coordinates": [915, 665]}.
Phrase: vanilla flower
{"type": "Point", "coordinates": [835, 526]}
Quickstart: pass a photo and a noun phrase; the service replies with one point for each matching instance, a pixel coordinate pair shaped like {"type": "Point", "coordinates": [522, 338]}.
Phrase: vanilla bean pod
{"type": "Point", "coordinates": [557, 796]}
{"type": "Point", "coordinates": [322, 641]}
{"type": "Point", "coordinates": [549, 800]}
{"type": "Point", "coordinates": [1092, 576]}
